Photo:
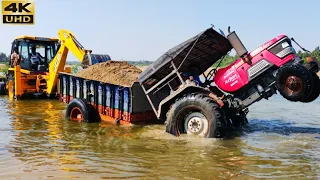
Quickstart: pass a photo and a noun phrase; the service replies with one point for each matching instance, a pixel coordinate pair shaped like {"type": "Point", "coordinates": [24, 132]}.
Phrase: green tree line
{"type": "Point", "coordinates": [4, 58]}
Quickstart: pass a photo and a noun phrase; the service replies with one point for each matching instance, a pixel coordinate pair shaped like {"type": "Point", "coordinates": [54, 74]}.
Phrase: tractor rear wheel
{"type": "Point", "coordinates": [294, 82]}
{"type": "Point", "coordinates": [196, 114]}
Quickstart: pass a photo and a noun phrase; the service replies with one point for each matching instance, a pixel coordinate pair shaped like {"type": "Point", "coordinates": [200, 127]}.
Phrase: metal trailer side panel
{"type": "Point", "coordinates": [100, 97]}
{"type": "Point", "coordinates": [84, 89]}
{"type": "Point", "coordinates": [116, 97]}
{"type": "Point", "coordinates": [118, 104]}
{"type": "Point", "coordinates": [78, 88]}
{"type": "Point", "coordinates": [63, 87]}
{"type": "Point", "coordinates": [68, 99]}
{"type": "Point", "coordinates": [141, 110]}
{"type": "Point", "coordinates": [71, 87]}
{"type": "Point", "coordinates": [140, 102]}
{"type": "Point", "coordinates": [127, 100]}
{"type": "Point", "coordinates": [128, 104]}
{"type": "Point", "coordinates": [92, 93]}
{"type": "Point", "coordinates": [109, 100]}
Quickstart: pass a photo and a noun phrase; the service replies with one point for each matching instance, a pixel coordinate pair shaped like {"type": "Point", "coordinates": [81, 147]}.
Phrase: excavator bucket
{"type": "Point", "coordinates": [91, 59]}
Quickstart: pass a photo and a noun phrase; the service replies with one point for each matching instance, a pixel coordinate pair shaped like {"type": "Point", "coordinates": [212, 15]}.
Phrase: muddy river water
{"type": "Point", "coordinates": [281, 142]}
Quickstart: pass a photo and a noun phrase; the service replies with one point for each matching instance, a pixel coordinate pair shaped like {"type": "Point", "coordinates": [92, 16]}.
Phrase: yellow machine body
{"type": "Point", "coordinates": [41, 76]}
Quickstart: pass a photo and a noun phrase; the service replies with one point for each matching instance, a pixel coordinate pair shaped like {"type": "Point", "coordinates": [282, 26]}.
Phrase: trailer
{"type": "Point", "coordinates": [93, 101]}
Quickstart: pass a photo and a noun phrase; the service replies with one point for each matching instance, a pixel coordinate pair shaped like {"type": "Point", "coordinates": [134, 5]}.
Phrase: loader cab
{"type": "Point", "coordinates": [46, 47]}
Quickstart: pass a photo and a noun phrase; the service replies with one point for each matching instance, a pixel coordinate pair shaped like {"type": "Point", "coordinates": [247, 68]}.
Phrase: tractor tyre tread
{"type": "Point", "coordinates": [11, 77]}
{"type": "Point", "coordinates": [197, 101]}
{"type": "Point", "coordinates": [303, 73]}
{"type": "Point", "coordinates": [315, 91]}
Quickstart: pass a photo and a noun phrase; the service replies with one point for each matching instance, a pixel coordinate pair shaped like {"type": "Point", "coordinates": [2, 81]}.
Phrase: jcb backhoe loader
{"type": "Point", "coordinates": [39, 76]}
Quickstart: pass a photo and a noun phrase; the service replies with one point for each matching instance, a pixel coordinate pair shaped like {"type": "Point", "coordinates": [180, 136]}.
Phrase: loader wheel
{"type": "Point", "coordinates": [294, 82]}
{"type": "Point", "coordinates": [315, 90]}
{"type": "Point", "coordinates": [196, 114]}
{"type": "Point", "coordinates": [11, 89]}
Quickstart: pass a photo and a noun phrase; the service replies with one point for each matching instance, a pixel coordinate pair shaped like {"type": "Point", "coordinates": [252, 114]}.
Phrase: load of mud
{"type": "Point", "coordinates": [113, 72]}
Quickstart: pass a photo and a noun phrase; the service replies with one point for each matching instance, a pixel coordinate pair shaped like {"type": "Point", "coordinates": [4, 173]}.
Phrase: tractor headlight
{"type": "Point", "coordinates": [282, 49]}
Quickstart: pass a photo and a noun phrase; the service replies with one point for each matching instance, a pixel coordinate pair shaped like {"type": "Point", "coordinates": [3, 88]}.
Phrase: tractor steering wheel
{"type": "Point", "coordinates": [211, 73]}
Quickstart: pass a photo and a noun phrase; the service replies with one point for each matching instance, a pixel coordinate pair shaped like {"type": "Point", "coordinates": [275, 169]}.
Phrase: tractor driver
{"type": "Point", "coordinates": [193, 77]}
{"type": "Point", "coordinates": [215, 94]}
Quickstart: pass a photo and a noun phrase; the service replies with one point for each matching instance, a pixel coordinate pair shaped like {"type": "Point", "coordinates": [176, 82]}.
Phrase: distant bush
{"type": "Point", "coordinates": [4, 68]}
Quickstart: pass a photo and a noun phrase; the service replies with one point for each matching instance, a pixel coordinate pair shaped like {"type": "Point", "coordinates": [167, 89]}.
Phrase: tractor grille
{"type": "Point", "coordinates": [258, 68]}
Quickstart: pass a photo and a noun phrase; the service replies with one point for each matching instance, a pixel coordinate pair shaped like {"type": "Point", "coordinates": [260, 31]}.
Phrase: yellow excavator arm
{"type": "Point", "coordinates": [68, 42]}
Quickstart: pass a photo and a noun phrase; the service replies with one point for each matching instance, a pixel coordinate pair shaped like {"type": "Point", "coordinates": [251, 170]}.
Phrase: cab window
{"type": "Point", "coordinates": [24, 54]}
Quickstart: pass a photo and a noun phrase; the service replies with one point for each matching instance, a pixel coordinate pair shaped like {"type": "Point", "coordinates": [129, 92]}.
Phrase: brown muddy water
{"type": "Point", "coordinates": [281, 142]}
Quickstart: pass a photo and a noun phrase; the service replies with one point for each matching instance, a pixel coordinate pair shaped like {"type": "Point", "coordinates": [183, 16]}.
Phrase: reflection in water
{"type": "Point", "coordinates": [37, 141]}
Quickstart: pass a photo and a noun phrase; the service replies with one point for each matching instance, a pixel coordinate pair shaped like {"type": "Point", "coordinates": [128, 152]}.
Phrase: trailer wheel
{"type": "Point", "coordinates": [294, 82]}
{"type": "Point", "coordinates": [315, 90]}
{"type": "Point", "coordinates": [77, 110]}
{"type": "Point", "coordinates": [196, 114]}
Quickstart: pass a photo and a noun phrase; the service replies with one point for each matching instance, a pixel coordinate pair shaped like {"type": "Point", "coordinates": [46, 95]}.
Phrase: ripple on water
{"type": "Point", "coordinates": [38, 142]}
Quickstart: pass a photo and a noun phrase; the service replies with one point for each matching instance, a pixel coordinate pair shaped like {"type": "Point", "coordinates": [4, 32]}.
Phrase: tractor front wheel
{"type": "Point", "coordinates": [315, 90]}
{"type": "Point", "coordinates": [196, 114]}
{"type": "Point", "coordinates": [294, 82]}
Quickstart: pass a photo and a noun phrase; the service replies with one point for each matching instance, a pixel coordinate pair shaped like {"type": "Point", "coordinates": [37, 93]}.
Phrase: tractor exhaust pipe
{"type": "Point", "coordinates": [238, 46]}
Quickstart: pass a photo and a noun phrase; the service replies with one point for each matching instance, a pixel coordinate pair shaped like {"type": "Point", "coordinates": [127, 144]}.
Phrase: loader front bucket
{"type": "Point", "coordinates": [91, 59]}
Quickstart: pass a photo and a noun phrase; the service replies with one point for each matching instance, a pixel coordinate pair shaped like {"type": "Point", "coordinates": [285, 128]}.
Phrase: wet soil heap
{"type": "Point", "coordinates": [113, 72]}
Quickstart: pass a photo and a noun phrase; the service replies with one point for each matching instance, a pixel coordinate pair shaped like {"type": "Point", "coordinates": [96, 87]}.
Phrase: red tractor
{"type": "Point", "coordinates": [272, 66]}
{"type": "Point", "coordinates": [210, 109]}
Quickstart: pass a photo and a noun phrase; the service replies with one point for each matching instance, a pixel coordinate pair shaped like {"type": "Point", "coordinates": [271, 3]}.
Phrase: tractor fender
{"type": "Point", "coordinates": [165, 104]}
